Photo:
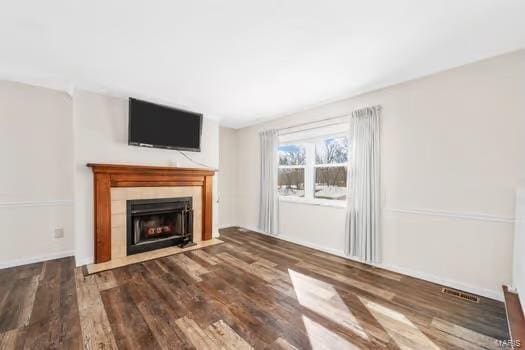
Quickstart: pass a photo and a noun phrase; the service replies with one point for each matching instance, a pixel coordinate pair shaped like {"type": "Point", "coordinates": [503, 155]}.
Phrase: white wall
{"type": "Point", "coordinates": [452, 156]}
{"type": "Point", "coordinates": [100, 136]}
{"type": "Point", "coordinates": [36, 182]}
{"type": "Point", "coordinates": [228, 176]}
{"type": "Point", "coordinates": [47, 138]}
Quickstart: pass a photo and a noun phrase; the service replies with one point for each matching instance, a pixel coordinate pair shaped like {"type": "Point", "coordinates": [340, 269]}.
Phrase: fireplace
{"type": "Point", "coordinates": [115, 184]}
{"type": "Point", "coordinates": [158, 223]}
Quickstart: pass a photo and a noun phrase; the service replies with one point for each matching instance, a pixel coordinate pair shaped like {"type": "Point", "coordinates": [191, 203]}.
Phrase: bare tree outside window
{"type": "Point", "coordinates": [291, 170]}
{"type": "Point", "coordinates": [292, 155]}
{"type": "Point", "coordinates": [331, 157]}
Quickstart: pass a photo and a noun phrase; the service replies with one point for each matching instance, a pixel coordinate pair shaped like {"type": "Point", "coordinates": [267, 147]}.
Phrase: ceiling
{"type": "Point", "coordinates": [244, 61]}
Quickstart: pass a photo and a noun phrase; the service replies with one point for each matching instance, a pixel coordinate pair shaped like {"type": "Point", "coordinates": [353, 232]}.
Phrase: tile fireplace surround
{"type": "Point", "coordinates": [120, 195]}
{"type": "Point", "coordinates": [115, 184]}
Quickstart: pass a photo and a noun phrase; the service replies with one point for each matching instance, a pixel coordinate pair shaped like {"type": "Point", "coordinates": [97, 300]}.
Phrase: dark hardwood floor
{"type": "Point", "coordinates": [251, 291]}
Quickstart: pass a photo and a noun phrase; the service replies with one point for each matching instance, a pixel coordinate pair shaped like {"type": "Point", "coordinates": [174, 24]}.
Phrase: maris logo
{"type": "Point", "coordinates": [509, 343]}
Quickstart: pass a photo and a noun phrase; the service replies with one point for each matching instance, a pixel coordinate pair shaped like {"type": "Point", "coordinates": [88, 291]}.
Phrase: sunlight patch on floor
{"type": "Point", "coordinates": [404, 333]}
{"type": "Point", "coordinates": [323, 299]}
{"type": "Point", "coordinates": [322, 338]}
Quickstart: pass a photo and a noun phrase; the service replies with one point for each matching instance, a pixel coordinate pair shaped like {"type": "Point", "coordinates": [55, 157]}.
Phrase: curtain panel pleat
{"type": "Point", "coordinates": [364, 194]}
{"type": "Point", "coordinates": [269, 198]}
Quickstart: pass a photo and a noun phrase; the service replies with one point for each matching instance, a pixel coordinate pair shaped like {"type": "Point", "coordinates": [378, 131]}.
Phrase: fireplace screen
{"type": "Point", "coordinates": [159, 223]}
{"type": "Point", "coordinates": [151, 227]}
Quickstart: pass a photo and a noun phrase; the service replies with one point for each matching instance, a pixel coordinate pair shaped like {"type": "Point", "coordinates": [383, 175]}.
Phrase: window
{"type": "Point", "coordinates": [314, 170]}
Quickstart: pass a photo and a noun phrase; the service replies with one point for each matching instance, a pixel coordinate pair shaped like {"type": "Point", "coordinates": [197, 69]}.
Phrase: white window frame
{"type": "Point", "coordinates": [309, 173]}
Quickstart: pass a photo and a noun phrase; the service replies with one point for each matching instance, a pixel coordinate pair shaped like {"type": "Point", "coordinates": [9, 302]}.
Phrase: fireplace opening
{"type": "Point", "coordinates": [158, 223]}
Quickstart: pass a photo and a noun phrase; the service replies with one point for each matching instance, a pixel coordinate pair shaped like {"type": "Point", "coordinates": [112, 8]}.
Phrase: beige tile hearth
{"type": "Point", "coordinates": [154, 254]}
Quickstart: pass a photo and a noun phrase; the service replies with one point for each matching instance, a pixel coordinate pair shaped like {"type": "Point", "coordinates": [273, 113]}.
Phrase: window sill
{"type": "Point", "coordinates": [315, 202]}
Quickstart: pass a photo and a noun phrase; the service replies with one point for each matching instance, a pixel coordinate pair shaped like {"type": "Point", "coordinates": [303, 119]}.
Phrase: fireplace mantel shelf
{"type": "Point", "coordinates": [127, 168]}
{"type": "Point", "coordinates": [107, 176]}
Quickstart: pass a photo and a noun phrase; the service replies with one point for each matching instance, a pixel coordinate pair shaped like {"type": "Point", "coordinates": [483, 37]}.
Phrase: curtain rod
{"type": "Point", "coordinates": [307, 129]}
{"type": "Point", "coordinates": [314, 122]}
{"type": "Point", "coordinates": [319, 121]}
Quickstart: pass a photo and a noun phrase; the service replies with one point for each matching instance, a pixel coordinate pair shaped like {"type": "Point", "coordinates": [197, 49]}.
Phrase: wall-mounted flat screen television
{"type": "Point", "coordinates": [153, 125]}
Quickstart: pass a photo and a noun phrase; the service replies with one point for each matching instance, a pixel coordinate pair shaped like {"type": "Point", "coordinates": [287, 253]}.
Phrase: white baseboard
{"type": "Point", "coordinates": [225, 226]}
{"type": "Point", "coordinates": [25, 261]}
{"type": "Point", "coordinates": [337, 252]}
{"type": "Point", "coordinates": [488, 293]}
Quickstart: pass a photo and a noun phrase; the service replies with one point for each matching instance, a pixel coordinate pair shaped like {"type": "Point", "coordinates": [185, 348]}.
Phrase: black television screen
{"type": "Point", "coordinates": [152, 125]}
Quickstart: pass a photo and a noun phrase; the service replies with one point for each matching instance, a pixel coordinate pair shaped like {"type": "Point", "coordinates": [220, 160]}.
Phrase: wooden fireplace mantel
{"type": "Point", "coordinates": [106, 176]}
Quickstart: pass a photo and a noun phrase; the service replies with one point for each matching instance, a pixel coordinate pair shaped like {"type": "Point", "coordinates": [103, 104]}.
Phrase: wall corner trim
{"type": "Point", "coordinates": [84, 261]}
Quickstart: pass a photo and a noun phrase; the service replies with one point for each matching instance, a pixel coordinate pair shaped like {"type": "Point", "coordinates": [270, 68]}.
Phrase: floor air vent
{"type": "Point", "coordinates": [461, 295]}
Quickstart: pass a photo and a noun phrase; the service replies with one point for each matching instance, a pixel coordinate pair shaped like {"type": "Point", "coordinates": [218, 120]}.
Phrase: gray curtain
{"type": "Point", "coordinates": [269, 198]}
{"type": "Point", "coordinates": [363, 211]}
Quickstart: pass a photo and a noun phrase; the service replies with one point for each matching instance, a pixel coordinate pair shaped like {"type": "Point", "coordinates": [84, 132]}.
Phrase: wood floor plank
{"type": "Point", "coordinates": [171, 291]}
{"type": "Point", "coordinates": [449, 341]}
{"type": "Point", "coordinates": [96, 330]}
{"type": "Point", "coordinates": [8, 275]}
{"type": "Point", "coordinates": [54, 321]}
{"type": "Point", "coordinates": [471, 336]}
{"type": "Point", "coordinates": [321, 337]}
{"type": "Point", "coordinates": [199, 338]}
{"type": "Point", "coordinates": [362, 267]}
{"type": "Point", "coordinates": [210, 259]}
{"type": "Point", "coordinates": [275, 312]}
{"type": "Point", "coordinates": [56, 297]}
{"type": "Point", "coordinates": [284, 288]}
{"type": "Point", "coordinates": [268, 251]}
{"type": "Point", "coordinates": [222, 298]}
{"type": "Point", "coordinates": [162, 324]}
{"type": "Point", "coordinates": [127, 324]}
{"type": "Point", "coordinates": [349, 281]}
{"type": "Point", "coordinates": [253, 291]}
{"type": "Point", "coordinates": [8, 340]}
{"type": "Point", "coordinates": [106, 280]}
{"type": "Point", "coordinates": [258, 271]}
{"type": "Point", "coordinates": [87, 290]}
{"type": "Point", "coordinates": [191, 267]}
{"type": "Point", "coordinates": [402, 330]}
{"type": "Point", "coordinates": [281, 343]}
{"type": "Point", "coordinates": [43, 304]}
{"type": "Point", "coordinates": [17, 304]}
{"type": "Point", "coordinates": [54, 333]}
{"type": "Point", "coordinates": [227, 336]}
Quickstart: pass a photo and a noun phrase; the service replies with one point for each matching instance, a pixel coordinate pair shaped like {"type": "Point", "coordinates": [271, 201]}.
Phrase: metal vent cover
{"type": "Point", "coordinates": [461, 295]}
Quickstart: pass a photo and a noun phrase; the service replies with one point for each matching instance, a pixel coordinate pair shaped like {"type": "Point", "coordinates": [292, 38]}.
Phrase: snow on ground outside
{"type": "Point", "coordinates": [327, 192]}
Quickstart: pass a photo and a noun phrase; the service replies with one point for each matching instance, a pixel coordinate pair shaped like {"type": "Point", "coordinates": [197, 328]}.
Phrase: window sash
{"type": "Point", "coordinates": [330, 165]}
{"type": "Point", "coordinates": [292, 166]}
